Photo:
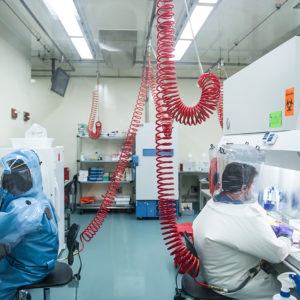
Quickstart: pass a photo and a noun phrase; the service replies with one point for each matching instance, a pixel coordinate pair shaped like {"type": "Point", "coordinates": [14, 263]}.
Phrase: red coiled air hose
{"type": "Point", "coordinates": [166, 74]}
{"type": "Point", "coordinates": [220, 103]}
{"type": "Point", "coordinates": [95, 107]}
{"type": "Point", "coordinates": [168, 100]}
{"type": "Point", "coordinates": [126, 152]}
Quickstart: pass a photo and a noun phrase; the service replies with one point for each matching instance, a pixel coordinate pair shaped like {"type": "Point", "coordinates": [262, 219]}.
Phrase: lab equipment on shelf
{"type": "Point", "coordinates": [194, 180]}
{"type": "Point", "coordinates": [95, 170]}
{"type": "Point", "coordinates": [189, 164]}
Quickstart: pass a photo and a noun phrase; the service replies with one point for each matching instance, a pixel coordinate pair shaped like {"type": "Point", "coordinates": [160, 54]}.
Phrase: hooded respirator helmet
{"type": "Point", "coordinates": [238, 166]}
{"type": "Point", "coordinates": [16, 177]}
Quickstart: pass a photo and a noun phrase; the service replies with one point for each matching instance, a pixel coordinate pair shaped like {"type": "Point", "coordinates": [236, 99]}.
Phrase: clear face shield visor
{"type": "Point", "coordinates": [15, 176]}
{"type": "Point", "coordinates": [238, 171]}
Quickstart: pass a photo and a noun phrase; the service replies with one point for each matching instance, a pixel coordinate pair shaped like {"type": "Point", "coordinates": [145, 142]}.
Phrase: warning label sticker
{"type": "Point", "coordinates": [289, 102]}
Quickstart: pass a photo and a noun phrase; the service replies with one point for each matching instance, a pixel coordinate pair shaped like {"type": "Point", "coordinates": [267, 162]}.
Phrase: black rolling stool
{"type": "Point", "coordinates": [189, 287]}
{"type": "Point", "coordinates": [62, 273]}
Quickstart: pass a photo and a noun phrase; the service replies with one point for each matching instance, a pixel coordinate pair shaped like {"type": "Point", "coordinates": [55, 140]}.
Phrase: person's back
{"type": "Point", "coordinates": [232, 235]}
{"type": "Point", "coordinates": [28, 224]}
{"type": "Point", "coordinates": [230, 239]}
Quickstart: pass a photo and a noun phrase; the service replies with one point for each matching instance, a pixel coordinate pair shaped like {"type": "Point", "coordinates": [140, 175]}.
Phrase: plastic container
{"type": "Point", "coordinates": [189, 164]}
{"type": "Point", "coordinates": [87, 200]}
{"type": "Point", "coordinates": [35, 143]}
{"type": "Point", "coordinates": [105, 177]}
{"type": "Point", "coordinates": [279, 297]}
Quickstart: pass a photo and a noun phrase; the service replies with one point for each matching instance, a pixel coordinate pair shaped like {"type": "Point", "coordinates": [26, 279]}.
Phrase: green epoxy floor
{"type": "Point", "coordinates": [126, 260]}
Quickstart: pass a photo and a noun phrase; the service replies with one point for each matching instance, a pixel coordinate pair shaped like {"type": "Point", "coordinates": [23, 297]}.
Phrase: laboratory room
{"type": "Point", "coordinates": [150, 149]}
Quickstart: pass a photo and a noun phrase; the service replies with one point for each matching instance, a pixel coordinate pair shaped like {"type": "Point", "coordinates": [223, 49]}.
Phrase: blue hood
{"type": "Point", "coordinates": [27, 223]}
{"type": "Point", "coordinates": [31, 159]}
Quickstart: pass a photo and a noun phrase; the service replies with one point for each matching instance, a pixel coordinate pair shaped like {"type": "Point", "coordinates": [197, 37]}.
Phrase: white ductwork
{"type": "Point", "coordinates": [118, 48]}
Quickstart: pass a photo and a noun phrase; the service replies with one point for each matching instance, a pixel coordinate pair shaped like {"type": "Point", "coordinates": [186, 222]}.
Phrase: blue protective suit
{"type": "Point", "coordinates": [29, 226]}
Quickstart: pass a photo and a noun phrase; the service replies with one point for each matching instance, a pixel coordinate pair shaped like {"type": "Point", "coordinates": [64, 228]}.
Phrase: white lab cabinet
{"type": "Point", "coordinates": [249, 97]}
{"type": "Point", "coordinates": [52, 169]}
{"type": "Point", "coordinates": [259, 89]}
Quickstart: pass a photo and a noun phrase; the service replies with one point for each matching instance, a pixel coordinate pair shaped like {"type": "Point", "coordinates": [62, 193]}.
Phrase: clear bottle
{"type": "Point", "coordinates": [189, 164]}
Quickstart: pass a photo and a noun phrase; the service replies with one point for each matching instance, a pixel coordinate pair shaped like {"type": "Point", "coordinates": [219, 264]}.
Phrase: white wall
{"type": "Point", "coordinates": [60, 116]}
{"type": "Point", "coordinates": [14, 81]}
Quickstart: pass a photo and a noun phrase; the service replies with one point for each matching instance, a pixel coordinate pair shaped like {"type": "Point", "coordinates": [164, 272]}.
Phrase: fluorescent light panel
{"type": "Point", "coordinates": [66, 12]}
{"type": "Point", "coordinates": [198, 17]}
{"type": "Point", "coordinates": [82, 48]}
{"type": "Point", "coordinates": [180, 48]}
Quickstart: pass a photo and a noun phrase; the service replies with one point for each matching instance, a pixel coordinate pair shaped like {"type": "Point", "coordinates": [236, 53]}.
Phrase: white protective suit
{"type": "Point", "coordinates": [230, 239]}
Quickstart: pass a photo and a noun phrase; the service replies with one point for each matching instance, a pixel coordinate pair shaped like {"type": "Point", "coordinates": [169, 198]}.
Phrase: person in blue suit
{"type": "Point", "coordinates": [28, 225]}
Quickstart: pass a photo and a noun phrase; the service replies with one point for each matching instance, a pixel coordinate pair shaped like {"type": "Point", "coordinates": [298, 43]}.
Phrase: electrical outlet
{"type": "Point", "coordinates": [26, 116]}
{"type": "Point", "coordinates": [14, 113]}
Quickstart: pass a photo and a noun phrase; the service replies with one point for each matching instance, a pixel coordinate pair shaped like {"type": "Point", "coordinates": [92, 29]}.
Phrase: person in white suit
{"type": "Point", "coordinates": [232, 235]}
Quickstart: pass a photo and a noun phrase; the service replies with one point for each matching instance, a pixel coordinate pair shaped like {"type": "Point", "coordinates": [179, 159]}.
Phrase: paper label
{"type": "Point", "coordinates": [275, 119]}
{"type": "Point", "coordinates": [289, 102]}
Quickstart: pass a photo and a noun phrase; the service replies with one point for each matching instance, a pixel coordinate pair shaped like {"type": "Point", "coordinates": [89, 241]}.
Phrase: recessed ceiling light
{"type": "Point", "coordinates": [198, 18]}
{"type": "Point", "coordinates": [82, 48]}
{"type": "Point", "coordinates": [180, 48]}
{"type": "Point", "coordinates": [67, 14]}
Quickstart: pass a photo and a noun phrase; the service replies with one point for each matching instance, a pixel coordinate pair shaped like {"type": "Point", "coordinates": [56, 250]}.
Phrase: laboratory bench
{"type": "Point", "coordinates": [203, 197]}
{"type": "Point", "coordinates": [190, 197]}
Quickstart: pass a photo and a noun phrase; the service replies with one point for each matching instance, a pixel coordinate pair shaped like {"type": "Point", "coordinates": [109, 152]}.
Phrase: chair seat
{"type": "Point", "coordinates": [61, 275]}
{"type": "Point", "coordinates": [191, 288]}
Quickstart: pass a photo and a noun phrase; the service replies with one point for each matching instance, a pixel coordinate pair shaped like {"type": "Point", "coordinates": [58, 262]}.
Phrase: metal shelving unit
{"type": "Point", "coordinates": [97, 204]}
{"type": "Point", "coordinates": [84, 164]}
{"type": "Point", "coordinates": [100, 161]}
{"type": "Point", "coordinates": [127, 181]}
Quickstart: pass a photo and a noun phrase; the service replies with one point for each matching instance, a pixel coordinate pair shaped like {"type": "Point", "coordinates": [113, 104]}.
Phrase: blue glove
{"type": "Point", "coordinates": [296, 278]}
{"type": "Point", "coordinates": [283, 230]}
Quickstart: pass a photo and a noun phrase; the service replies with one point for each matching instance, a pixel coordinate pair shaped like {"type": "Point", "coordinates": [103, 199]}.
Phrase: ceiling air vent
{"type": "Point", "coordinates": [118, 48]}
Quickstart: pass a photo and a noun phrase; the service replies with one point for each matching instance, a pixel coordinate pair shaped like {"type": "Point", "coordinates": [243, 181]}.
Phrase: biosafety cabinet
{"type": "Point", "coordinates": [265, 95]}
{"type": "Point", "coordinates": [261, 108]}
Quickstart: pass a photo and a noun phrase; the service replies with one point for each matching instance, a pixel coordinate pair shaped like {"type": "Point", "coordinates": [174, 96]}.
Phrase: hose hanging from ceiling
{"type": "Point", "coordinates": [94, 109]}
{"type": "Point", "coordinates": [166, 74]}
{"type": "Point", "coordinates": [126, 152]}
{"type": "Point", "coordinates": [220, 103]}
{"type": "Point", "coordinates": [168, 106]}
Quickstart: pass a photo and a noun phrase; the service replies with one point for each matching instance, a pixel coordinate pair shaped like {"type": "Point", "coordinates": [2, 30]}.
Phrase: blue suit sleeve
{"type": "Point", "coordinates": [18, 220]}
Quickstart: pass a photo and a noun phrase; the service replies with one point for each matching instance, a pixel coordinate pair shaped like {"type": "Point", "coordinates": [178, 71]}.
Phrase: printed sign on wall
{"type": "Point", "coordinates": [289, 102]}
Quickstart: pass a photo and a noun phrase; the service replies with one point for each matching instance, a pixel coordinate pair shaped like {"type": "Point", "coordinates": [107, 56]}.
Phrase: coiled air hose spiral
{"type": "Point", "coordinates": [168, 100]}
{"type": "Point", "coordinates": [125, 156]}
{"type": "Point", "coordinates": [94, 109]}
{"type": "Point", "coordinates": [166, 74]}
{"type": "Point", "coordinates": [220, 103]}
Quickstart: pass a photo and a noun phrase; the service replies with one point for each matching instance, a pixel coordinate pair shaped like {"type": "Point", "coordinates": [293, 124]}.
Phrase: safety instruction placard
{"type": "Point", "coordinates": [289, 102]}
{"type": "Point", "coordinates": [275, 119]}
